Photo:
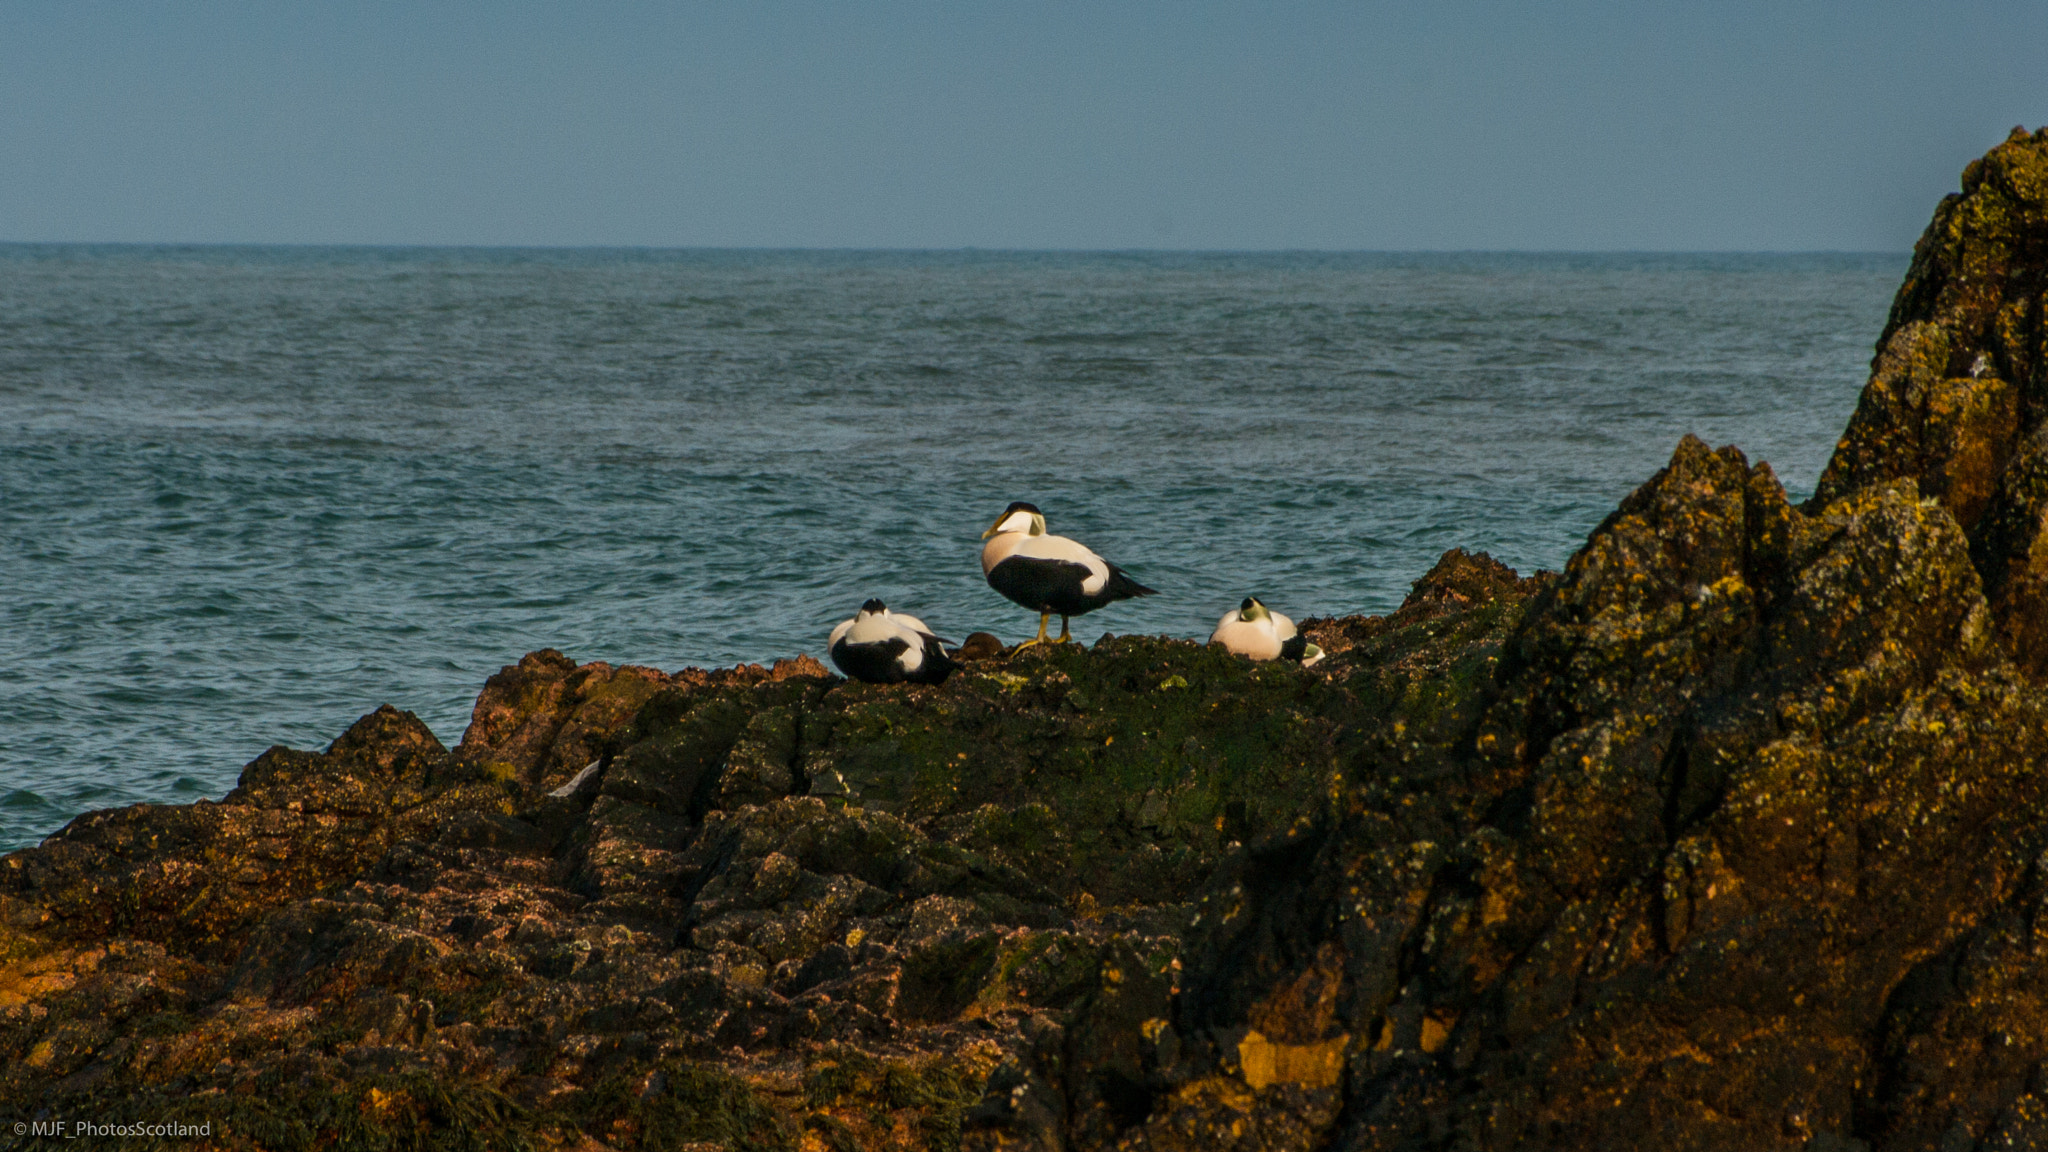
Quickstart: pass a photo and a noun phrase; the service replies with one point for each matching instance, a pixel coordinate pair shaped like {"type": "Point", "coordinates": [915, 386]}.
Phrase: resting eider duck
{"type": "Point", "coordinates": [1257, 631]}
{"type": "Point", "coordinates": [884, 647]}
{"type": "Point", "coordinates": [1049, 574]}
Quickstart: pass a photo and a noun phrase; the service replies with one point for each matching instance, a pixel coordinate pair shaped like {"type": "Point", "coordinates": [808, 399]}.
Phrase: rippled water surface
{"type": "Point", "coordinates": [248, 494]}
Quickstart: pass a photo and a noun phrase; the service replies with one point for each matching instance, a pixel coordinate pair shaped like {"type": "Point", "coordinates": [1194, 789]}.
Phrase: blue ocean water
{"type": "Point", "coordinates": [248, 494]}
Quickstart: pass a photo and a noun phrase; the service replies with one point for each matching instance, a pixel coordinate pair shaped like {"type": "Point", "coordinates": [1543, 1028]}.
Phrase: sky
{"type": "Point", "coordinates": [1785, 126]}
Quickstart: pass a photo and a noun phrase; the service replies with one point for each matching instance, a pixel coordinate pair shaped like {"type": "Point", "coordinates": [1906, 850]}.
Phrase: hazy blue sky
{"type": "Point", "coordinates": [1796, 124]}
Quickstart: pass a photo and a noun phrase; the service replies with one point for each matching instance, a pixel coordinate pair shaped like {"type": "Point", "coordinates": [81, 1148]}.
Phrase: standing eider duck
{"type": "Point", "coordinates": [1049, 574]}
{"type": "Point", "coordinates": [1257, 631]}
{"type": "Point", "coordinates": [884, 647]}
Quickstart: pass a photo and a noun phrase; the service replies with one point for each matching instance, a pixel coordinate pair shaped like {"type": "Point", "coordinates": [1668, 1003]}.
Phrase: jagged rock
{"type": "Point", "coordinates": [766, 865]}
{"type": "Point", "coordinates": [546, 717]}
{"type": "Point", "coordinates": [199, 875]}
{"type": "Point", "coordinates": [1958, 394]}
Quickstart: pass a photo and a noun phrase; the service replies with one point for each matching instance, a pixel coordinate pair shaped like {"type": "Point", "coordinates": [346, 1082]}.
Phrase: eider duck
{"type": "Point", "coordinates": [1049, 574]}
{"type": "Point", "coordinates": [884, 647]}
{"type": "Point", "coordinates": [1257, 631]}
{"type": "Point", "coordinates": [978, 646]}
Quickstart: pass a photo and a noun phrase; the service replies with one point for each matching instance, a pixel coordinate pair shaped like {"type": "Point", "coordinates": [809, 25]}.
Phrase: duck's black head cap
{"type": "Point", "coordinates": [1247, 605]}
{"type": "Point", "coordinates": [874, 606]}
{"type": "Point", "coordinates": [1021, 506]}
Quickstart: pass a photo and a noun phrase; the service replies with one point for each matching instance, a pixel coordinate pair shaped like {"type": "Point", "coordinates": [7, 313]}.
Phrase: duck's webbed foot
{"type": "Point", "coordinates": [1043, 618]}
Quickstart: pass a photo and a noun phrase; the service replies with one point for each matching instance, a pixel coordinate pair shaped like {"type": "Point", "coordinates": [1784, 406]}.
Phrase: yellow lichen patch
{"type": "Point", "coordinates": [1436, 1031]}
{"type": "Point", "coordinates": [1262, 1062]}
{"type": "Point", "coordinates": [1009, 682]}
{"type": "Point", "coordinates": [1303, 1009]}
{"type": "Point", "coordinates": [1217, 1091]}
{"type": "Point", "coordinates": [1971, 423]}
{"type": "Point", "coordinates": [38, 977]}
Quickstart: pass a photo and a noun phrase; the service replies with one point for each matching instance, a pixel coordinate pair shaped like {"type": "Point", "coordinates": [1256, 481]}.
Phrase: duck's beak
{"type": "Point", "coordinates": [991, 529]}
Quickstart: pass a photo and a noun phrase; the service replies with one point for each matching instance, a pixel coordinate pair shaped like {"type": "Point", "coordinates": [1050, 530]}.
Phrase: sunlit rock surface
{"type": "Point", "coordinates": [1733, 835]}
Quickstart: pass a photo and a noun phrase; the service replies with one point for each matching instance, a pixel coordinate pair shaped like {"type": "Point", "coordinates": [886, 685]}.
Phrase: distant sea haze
{"type": "Point", "coordinates": [253, 493]}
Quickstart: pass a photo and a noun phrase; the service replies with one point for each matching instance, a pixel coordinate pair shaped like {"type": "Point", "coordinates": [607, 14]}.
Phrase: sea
{"type": "Point", "coordinates": [248, 494]}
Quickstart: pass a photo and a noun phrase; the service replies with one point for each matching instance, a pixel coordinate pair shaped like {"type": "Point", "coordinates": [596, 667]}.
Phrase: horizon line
{"type": "Point", "coordinates": [945, 250]}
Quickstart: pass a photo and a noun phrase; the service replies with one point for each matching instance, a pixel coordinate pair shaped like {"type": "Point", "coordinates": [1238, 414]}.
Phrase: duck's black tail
{"type": "Point", "coordinates": [1122, 587]}
{"type": "Point", "coordinates": [937, 665]}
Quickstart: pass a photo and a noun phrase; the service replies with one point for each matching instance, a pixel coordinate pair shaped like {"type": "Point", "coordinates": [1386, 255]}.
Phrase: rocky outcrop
{"type": "Point", "coordinates": [1732, 835]}
{"type": "Point", "coordinates": [1738, 777]}
{"type": "Point", "coordinates": [1958, 395]}
{"type": "Point", "coordinates": [782, 909]}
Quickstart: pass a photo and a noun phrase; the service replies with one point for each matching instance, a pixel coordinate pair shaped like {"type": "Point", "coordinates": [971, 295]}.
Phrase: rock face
{"type": "Point", "coordinates": [1733, 835]}
{"type": "Point", "coordinates": [1958, 396]}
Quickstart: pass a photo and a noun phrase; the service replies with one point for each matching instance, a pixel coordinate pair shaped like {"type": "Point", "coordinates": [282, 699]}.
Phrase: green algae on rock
{"type": "Point", "coordinates": [1732, 835]}
{"type": "Point", "coordinates": [774, 874]}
